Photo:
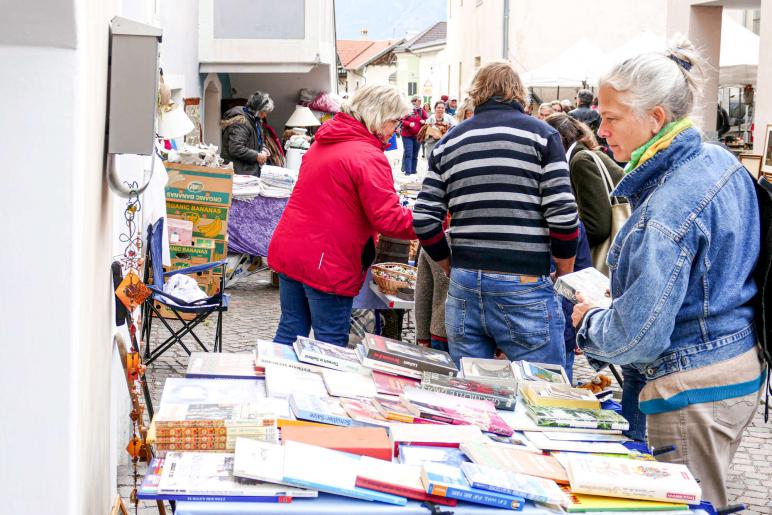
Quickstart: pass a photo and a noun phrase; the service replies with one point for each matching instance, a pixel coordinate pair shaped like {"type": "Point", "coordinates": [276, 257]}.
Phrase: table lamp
{"type": "Point", "coordinates": [302, 117]}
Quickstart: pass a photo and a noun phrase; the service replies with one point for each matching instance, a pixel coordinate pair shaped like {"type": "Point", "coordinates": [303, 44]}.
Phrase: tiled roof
{"type": "Point", "coordinates": [354, 54]}
{"type": "Point", "coordinates": [435, 34]}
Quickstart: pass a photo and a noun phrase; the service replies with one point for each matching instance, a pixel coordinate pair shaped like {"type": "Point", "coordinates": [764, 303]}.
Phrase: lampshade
{"type": "Point", "coordinates": [302, 117]}
{"type": "Point", "coordinates": [174, 123]}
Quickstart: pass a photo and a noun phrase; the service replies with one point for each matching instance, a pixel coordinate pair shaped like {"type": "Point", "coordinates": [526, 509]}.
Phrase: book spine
{"type": "Point", "coordinates": [388, 368]}
{"type": "Point", "coordinates": [617, 489]}
{"type": "Point", "coordinates": [516, 493]}
{"type": "Point", "coordinates": [212, 498]}
{"type": "Point", "coordinates": [409, 363]}
{"type": "Point", "coordinates": [504, 403]}
{"type": "Point", "coordinates": [321, 360]}
{"type": "Point", "coordinates": [303, 367]}
{"type": "Point", "coordinates": [557, 422]}
{"type": "Point", "coordinates": [410, 493]}
{"type": "Point", "coordinates": [487, 498]}
{"type": "Point", "coordinates": [324, 418]}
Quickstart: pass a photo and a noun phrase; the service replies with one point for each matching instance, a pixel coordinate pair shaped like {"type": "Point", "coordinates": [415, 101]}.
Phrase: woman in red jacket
{"type": "Point", "coordinates": [411, 125]}
{"type": "Point", "coordinates": [344, 197]}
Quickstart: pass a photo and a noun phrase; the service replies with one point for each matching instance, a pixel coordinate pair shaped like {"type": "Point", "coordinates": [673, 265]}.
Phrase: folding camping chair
{"type": "Point", "coordinates": [217, 303]}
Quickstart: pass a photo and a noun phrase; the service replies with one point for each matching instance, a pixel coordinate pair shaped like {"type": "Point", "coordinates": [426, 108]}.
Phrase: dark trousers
{"type": "Point", "coordinates": [410, 155]}
{"type": "Point", "coordinates": [304, 308]}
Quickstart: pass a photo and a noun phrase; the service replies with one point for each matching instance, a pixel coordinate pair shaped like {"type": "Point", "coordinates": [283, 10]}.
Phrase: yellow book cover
{"type": "Point", "coordinates": [558, 395]}
{"type": "Point", "coordinates": [586, 502]}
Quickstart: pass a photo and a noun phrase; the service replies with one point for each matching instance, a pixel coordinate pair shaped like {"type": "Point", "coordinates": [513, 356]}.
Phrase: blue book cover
{"type": "Point", "coordinates": [327, 470]}
{"type": "Point", "coordinates": [420, 454]}
{"type": "Point", "coordinates": [447, 481]}
{"type": "Point", "coordinates": [326, 410]}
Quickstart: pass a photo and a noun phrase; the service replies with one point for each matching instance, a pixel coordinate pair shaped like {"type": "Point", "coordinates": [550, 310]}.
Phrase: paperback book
{"type": "Point", "coordinates": [592, 284]}
{"type": "Point", "coordinates": [351, 385]}
{"type": "Point", "coordinates": [581, 503]}
{"type": "Point", "coordinates": [505, 457]}
{"type": "Point", "coordinates": [446, 481]}
{"type": "Point", "coordinates": [209, 365]}
{"type": "Point", "coordinates": [544, 443]}
{"type": "Point", "coordinates": [326, 355]}
{"type": "Point", "coordinates": [389, 384]}
{"type": "Point", "coordinates": [198, 476]}
{"type": "Point", "coordinates": [219, 415]}
{"type": "Point", "coordinates": [280, 382]}
{"type": "Point", "coordinates": [362, 441]}
{"type": "Point", "coordinates": [577, 418]}
{"type": "Point", "coordinates": [417, 455]}
{"type": "Point", "coordinates": [183, 390]}
{"type": "Point", "coordinates": [397, 479]}
{"type": "Point", "coordinates": [271, 353]}
{"type": "Point", "coordinates": [329, 471]}
{"type": "Point", "coordinates": [364, 412]}
{"type": "Point", "coordinates": [497, 372]}
{"type": "Point", "coordinates": [326, 410]}
{"type": "Point", "coordinates": [557, 395]}
{"type": "Point", "coordinates": [632, 479]}
{"type": "Point", "coordinates": [502, 397]}
{"type": "Point", "coordinates": [262, 461]}
{"type": "Point", "coordinates": [540, 372]}
{"type": "Point", "coordinates": [433, 435]}
{"type": "Point", "coordinates": [396, 411]}
{"type": "Point", "coordinates": [408, 356]}
{"type": "Point", "coordinates": [513, 483]}
{"type": "Point", "coordinates": [520, 420]}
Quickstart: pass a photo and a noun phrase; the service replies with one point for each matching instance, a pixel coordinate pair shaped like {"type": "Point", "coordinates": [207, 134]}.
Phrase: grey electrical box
{"type": "Point", "coordinates": [133, 87]}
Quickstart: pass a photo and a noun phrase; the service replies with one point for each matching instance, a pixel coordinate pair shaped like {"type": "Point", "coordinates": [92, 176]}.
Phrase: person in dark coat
{"type": "Point", "coordinates": [584, 113]}
{"type": "Point", "coordinates": [244, 138]}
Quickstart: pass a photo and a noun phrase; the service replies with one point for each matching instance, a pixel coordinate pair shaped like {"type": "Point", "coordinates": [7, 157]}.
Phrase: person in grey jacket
{"type": "Point", "coordinates": [244, 137]}
{"type": "Point", "coordinates": [431, 290]}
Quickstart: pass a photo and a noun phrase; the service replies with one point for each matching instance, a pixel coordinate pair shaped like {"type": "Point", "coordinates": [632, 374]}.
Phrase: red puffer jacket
{"type": "Point", "coordinates": [344, 197]}
{"type": "Point", "coordinates": [415, 117]}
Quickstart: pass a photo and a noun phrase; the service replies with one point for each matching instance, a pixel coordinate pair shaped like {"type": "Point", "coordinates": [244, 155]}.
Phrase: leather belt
{"type": "Point", "coordinates": [524, 279]}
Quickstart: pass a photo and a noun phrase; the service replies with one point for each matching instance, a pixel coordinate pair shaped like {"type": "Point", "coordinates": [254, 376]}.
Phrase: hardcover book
{"type": "Point", "coordinates": [632, 479]}
{"type": "Point", "coordinates": [520, 420]}
{"type": "Point", "coordinates": [397, 479]}
{"type": "Point", "coordinates": [198, 475]}
{"type": "Point", "coordinates": [413, 357]}
{"type": "Point", "coordinates": [497, 372]}
{"type": "Point", "coordinates": [389, 384]}
{"type": "Point", "coordinates": [557, 395]}
{"type": "Point", "coordinates": [577, 418]}
{"type": "Point", "coordinates": [396, 411]}
{"type": "Point", "coordinates": [417, 455]}
{"type": "Point", "coordinates": [433, 435]}
{"type": "Point", "coordinates": [504, 457]}
{"type": "Point", "coordinates": [502, 397]}
{"type": "Point", "coordinates": [329, 471]}
{"type": "Point", "coordinates": [271, 353]}
{"type": "Point", "coordinates": [590, 282]}
{"type": "Point", "coordinates": [326, 355]}
{"type": "Point", "coordinates": [363, 441]}
{"type": "Point", "coordinates": [446, 481]}
{"type": "Point", "coordinates": [546, 372]}
{"type": "Point", "coordinates": [280, 382]}
{"type": "Point", "coordinates": [326, 410]}
{"type": "Point", "coordinates": [213, 415]}
{"type": "Point", "coordinates": [580, 503]}
{"type": "Point", "coordinates": [262, 461]}
{"type": "Point", "coordinates": [364, 412]}
{"type": "Point", "coordinates": [383, 366]}
{"type": "Point", "coordinates": [513, 483]}
{"type": "Point", "coordinates": [208, 365]}
{"type": "Point", "coordinates": [352, 385]}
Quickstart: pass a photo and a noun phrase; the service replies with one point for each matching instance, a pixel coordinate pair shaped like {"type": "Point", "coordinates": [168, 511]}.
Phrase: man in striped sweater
{"type": "Point", "coordinates": [503, 176]}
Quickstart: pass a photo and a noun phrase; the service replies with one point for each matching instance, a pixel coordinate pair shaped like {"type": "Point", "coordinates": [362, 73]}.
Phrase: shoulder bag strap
{"type": "Point", "coordinates": [605, 175]}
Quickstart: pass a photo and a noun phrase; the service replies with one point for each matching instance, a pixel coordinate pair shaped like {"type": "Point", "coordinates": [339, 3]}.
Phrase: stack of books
{"type": "Point", "coordinates": [557, 395]}
{"type": "Point", "coordinates": [495, 372]}
{"type": "Point", "coordinates": [502, 397]}
{"type": "Point", "coordinates": [213, 365]}
{"type": "Point", "coordinates": [211, 427]}
{"type": "Point", "coordinates": [403, 359]}
{"type": "Point", "coordinates": [326, 355]}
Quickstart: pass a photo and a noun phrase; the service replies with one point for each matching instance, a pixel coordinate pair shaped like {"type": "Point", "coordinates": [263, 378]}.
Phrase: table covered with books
{"type": "Point", "coordinates": [390, 427]}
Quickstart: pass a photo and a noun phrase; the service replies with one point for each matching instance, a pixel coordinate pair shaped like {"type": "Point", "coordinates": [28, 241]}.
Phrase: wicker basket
{"type": "Point", "coordinates": [390, 277]}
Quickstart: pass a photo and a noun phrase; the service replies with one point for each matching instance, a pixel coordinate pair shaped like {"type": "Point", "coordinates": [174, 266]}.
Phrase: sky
{"type": "Point", "coordinates": [386, 19]}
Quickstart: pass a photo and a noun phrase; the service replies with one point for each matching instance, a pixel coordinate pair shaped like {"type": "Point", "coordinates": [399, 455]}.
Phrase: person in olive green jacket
{"type": "Point", "coordinates": [586, 180]}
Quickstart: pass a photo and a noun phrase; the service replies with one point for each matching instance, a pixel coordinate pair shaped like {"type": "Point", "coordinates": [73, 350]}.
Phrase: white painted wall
{"type": "Point", "coordinates": [379, 74]}
{"type": "Point", "coordinates": [433, 69]}
{"type": "Point", "coordinates": [179, 49]}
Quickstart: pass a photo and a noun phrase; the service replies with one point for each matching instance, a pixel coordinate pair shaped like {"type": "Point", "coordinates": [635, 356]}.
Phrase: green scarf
{"type": "Point", "coordinates": [660, 141]}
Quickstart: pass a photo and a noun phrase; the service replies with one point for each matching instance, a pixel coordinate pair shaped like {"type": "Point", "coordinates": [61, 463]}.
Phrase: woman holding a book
{"type": "Point", "coordinates": [681, 269]}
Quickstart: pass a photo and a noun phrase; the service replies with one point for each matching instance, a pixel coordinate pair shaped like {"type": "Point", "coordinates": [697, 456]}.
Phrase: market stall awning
{"type": "Point", "coordinates": [578, 65]}
{"type": "Point", "coordinates": [739, 58]}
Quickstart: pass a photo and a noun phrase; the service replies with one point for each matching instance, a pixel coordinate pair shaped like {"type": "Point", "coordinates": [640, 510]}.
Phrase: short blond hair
{"type": "Point", "coordinates": [497, 79]}
{"type": "Point", "coordinates": [375, 104]}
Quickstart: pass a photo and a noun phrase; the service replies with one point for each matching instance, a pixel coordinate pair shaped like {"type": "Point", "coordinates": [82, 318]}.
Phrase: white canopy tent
{"type": "Point", "coordinates": [579, 65]}
{"type": "Point", "coordinates": [739, 54]}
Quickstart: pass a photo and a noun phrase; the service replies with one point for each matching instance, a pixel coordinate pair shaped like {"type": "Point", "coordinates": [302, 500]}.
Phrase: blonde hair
{"type": "Point", "coordinates": [375, 104]}
{"type": "Point", "coordinates": [497, 79]}
{"type": "Point", "coordinates": [466, 107]}
{"type": "Point", "coordinates": [546, 105]}
{"type": "Point", "coordinates": [670, 80]}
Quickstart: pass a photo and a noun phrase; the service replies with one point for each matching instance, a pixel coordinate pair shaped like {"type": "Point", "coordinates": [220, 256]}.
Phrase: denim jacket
{"type": "Point", "coordinates": [682, 266]}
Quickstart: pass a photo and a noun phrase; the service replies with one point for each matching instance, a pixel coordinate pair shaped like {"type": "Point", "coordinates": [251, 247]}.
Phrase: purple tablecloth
{"type": "Point", "coordinates": [251, 224]}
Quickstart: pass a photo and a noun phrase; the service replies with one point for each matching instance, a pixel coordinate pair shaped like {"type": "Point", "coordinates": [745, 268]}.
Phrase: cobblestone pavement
{"type": "Point", "coordinates": [254, 313]}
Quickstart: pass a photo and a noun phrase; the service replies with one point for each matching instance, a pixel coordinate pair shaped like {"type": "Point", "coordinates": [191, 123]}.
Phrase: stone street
{"type": "Point", "coordinates": [254, 313]}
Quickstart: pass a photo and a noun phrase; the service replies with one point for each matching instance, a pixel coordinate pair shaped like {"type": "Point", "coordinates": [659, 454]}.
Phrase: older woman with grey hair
{"type": "Point", "coordinates": [323, 245]}
{"type": "Point", "coordinates": [682, 282]}
{"type": "Point", "coordinates": [245, 139]}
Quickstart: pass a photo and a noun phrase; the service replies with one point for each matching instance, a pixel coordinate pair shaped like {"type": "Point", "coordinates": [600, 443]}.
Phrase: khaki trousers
{"type": "Point", "coordinates": [706, 437]}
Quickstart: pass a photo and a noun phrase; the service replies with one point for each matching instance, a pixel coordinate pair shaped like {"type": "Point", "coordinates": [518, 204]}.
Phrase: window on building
{"type": "Point", "coordinates": [412, 88]}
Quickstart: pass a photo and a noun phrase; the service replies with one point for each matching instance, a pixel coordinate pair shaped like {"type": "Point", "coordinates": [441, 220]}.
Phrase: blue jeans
{"type": "Point", "coordinates": [303, 307]}
{"type": "Point", "coordinates": [439, 345]}
{"type": "Point", "coordinates": [487, 310]}
{"type": "Point", "coordinates": [633, 384]}
{"type": "Point", "coordinates": [569, 366]}
{"type": "Point", "coordinates": [410, 155]}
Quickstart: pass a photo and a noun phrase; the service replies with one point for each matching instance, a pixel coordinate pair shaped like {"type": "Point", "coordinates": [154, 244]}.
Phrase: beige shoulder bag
{"type": "Point", "coordinates": [620, 212]}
